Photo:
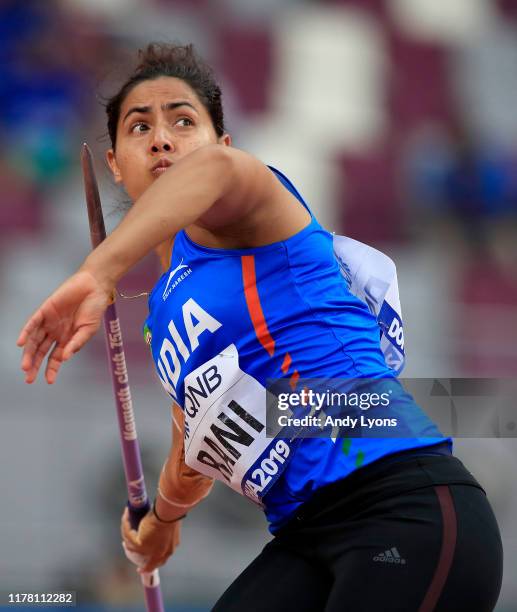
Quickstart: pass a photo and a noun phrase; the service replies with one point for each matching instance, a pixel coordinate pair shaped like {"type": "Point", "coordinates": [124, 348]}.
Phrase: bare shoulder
{"type": "Point", "coordinates": [257, 207]}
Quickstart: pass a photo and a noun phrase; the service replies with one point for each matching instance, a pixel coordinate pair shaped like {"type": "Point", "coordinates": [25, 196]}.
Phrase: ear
{"type": "Point", "coordinates": [112, 163]}
{"type": "Point", "coordinates": [225, 140]}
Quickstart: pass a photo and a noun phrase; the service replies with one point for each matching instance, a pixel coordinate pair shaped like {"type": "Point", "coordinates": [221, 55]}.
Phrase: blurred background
{"type": "Point", "coordinates": [395, 119]}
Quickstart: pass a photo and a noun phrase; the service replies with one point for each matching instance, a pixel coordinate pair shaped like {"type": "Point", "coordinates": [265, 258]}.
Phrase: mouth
{"type": "Point", "coordinates": [162, 166]}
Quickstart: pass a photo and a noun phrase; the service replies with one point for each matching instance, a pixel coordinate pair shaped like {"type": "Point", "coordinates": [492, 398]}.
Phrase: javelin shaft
{"type": "Point", "coordinates": [138, 503]}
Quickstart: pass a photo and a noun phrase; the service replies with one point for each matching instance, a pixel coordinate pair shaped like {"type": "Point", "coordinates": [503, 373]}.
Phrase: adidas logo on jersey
{"type": "Point", "coordinates": [390, 556]}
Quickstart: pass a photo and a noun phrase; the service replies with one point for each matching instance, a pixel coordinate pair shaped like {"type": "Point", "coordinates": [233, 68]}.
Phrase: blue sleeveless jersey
{"type": "Point", "coordinates": [222, 322]}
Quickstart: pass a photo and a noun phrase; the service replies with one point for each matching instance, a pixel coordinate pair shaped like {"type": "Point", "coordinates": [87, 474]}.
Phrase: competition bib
{"type": "Point", "coordinates": [372, 277]}
{"type": "Point", "coordinates": [225, 429]}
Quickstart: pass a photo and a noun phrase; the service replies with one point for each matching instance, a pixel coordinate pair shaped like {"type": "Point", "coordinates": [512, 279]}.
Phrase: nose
{"type": "Point", "coordinates": [161, 146]}
{"type": "Point", "coordinates": [161, 141]}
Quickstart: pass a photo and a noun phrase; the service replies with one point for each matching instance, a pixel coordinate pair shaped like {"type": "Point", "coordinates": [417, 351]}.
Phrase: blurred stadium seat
{"type": "Point", "coordinates": [245, 55]}
{"type": "Point", "coordinates": [419, 87]}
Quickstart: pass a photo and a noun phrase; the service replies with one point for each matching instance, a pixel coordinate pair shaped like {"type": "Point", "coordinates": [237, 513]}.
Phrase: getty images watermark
{"type": "Point", "coordinates": [329, 408]}
{"type": "Point", "coordinates": [392, 408]}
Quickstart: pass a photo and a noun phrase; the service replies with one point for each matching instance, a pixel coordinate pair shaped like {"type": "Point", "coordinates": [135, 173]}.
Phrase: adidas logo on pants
{"type": "Point", "coordinates": [390, 556]}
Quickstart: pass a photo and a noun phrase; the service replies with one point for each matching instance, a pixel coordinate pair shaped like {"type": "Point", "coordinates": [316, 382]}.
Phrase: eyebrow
{"type": "Point", "coordinates": [164, 107]}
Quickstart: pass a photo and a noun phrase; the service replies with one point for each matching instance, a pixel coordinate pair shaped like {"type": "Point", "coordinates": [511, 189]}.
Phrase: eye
{"type": "Point", "coordinates": [184, 122]}
{"type": "Point", "coordinates": [139, 127]}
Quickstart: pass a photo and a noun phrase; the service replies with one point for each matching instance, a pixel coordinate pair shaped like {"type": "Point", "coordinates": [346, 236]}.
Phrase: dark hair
{"type": "Point", "coordinates": [170, 60]}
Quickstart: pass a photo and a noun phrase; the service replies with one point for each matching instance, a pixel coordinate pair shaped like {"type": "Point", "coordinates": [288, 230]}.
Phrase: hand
{"type": "Point", "coordinates": [152, 544]}
{"type": "Point", "coordinates": [63, 324]}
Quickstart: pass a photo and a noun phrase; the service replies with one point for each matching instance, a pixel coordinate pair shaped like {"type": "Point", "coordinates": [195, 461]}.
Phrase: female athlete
{"type": "Point", "coordinates": [252, 291]}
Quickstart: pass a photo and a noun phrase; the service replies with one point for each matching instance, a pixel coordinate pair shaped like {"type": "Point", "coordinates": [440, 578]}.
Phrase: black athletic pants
{"type": "Point", "coordinates": [411, 535]}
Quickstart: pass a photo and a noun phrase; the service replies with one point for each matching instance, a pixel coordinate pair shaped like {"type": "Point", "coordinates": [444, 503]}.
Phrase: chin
{"type": "Point", "coordinates": [135, 192]}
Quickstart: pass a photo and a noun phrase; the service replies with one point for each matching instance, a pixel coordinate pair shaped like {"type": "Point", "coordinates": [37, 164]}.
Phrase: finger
{"type": "Point", "coordinates": [136, 558]}
{"type": "Point", "coordinates": [150, 565]}
{"type": "Point", "coordinates": [32, 324]}
{"type": "Point", "coordinates": [31, 346]}
{"type": "Point", "coordinates": [129, 546]}
{"type": "Point", "coordinates": [130, 536]}
{"type": "Point", "coordinates": [125, 528]}
{"type": "Point", "coordinates": [54, 363]}
{"type": "Point", "coordinates": [38, 358]}
{"type": "Point", "coordinates": [125, 525]}
{"type": "Point", "coordinates": [133, 542]}
{"type": "Point", "coordinates": [76, 343]}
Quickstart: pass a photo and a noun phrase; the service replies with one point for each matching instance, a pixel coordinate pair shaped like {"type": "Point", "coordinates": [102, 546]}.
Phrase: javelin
{"type": "Point", "coordinates": [138, 503]}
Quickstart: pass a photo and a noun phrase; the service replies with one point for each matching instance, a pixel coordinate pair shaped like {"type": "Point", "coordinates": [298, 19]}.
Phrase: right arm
{"type": "Point", "coordinates": [180, 489]}
{"type": "Point", "coordinates": [216, 186]}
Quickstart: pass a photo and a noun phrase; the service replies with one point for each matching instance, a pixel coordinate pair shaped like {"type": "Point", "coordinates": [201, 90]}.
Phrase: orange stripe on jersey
{"type": "Point", "coordinates": [286, 363]}
{"type": "Point", "coordinates": [305, 401]}
{"type": "Point", "coordinates": [253, 303]}
{"type": "Point", "coordinates": [294, 379]}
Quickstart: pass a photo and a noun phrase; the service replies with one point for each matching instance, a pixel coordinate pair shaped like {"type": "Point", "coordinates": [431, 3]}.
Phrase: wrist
{"type": "Point", "coordinates": [161, 518]}
{"type": "Point", "coordinates": [100, 273]}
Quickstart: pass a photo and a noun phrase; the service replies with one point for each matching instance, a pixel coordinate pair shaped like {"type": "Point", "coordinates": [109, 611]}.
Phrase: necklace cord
{"type": "Point", "coordinates": [131, 297]}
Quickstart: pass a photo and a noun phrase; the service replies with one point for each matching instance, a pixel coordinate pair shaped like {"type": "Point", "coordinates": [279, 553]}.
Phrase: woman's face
{"type": "Point", "coordinates": [160, 121]}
